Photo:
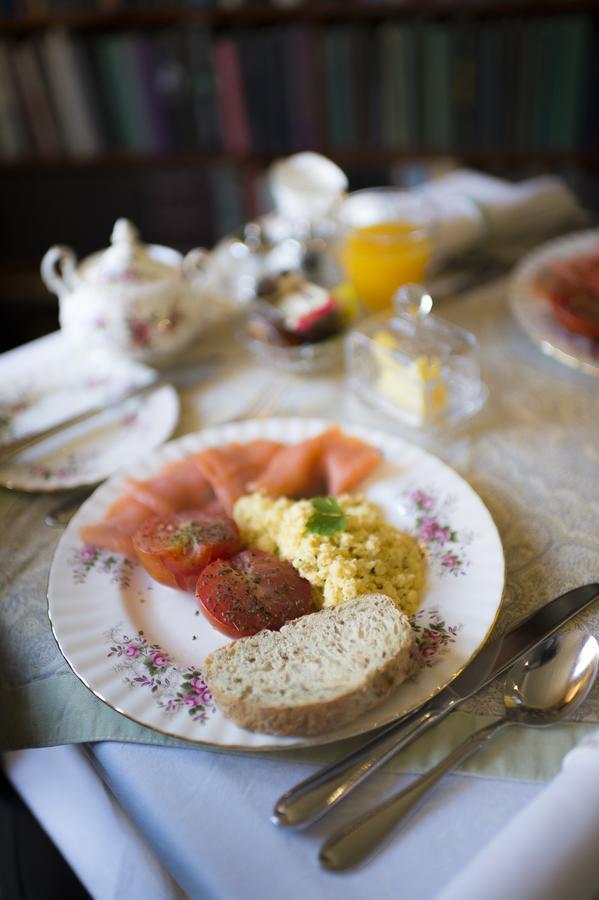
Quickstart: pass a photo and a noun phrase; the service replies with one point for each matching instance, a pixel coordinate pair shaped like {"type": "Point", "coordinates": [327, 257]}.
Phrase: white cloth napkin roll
{"type": "Point", "coordinates": [550, 851]}
{"type": "Point", "coordinates": [476, 208]}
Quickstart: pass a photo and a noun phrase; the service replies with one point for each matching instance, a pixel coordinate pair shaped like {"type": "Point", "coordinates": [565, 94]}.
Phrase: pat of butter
{"type": "Point", "coordinates": [416, 386]}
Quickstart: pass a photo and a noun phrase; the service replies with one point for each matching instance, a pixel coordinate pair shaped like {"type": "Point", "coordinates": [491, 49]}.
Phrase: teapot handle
{"type": "Point", "coordinates": [194, 263]}
{"type": "Point", "coordinates": [58, 269]}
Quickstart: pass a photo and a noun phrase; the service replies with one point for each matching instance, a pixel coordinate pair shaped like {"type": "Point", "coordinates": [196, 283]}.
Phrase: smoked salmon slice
{"type": "Point", "coordinates": [295, 471]}
{"type": "Point", "coordinates": [178, 485]}
{"type": "Point", "coordinates": [230, 469]}
{"type": "Point", "coordinates": [330, 463]}
{"type": "Point", "coordinates": [346, 460]}
{"type": "Point", "coordinates": [115, 530]}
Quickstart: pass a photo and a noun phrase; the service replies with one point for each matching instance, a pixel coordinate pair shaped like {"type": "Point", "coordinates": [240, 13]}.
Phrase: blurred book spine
{"type": "Point", "coordinates": [72, 93]}
{"type": "Point", "coordinates": [35, 99]}
{"type": "Point", "coordinates": [231, 97]}
{"type": "Point", "coordinates": [463, 84]}
{"type": "Point", "coordinates": [339, 87]}
{"type": "Point", "coordinates": [435, 66]}
{"type": "Point", "coordinates": [204, 100]}
{"type": "Point", "coordinates": [573, 39]}
{"type": "Point", "coordinates": [301, 87]}
{"type": "Point", "coordinates": [113, 66]}
{"type": "Point", "coordinates": [170, 84]}
{"type": "Point", "coordinates": [14, 140]}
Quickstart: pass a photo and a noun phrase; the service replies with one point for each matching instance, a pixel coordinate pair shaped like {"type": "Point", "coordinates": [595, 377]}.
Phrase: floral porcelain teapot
{"type": "Point", "coordinates": [139, 300]}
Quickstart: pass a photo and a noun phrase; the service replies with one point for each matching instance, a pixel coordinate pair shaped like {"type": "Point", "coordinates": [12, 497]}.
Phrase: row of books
{"type": "Point", "coordinates": [265, 91]}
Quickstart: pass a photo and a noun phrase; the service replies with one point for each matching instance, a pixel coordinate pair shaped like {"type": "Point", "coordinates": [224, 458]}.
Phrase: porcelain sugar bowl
{"type": "Point", "coordinates": [143, 301]}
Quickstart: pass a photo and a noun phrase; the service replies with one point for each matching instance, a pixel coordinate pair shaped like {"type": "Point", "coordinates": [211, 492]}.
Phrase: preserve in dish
{"type": "Point", "coordinates": [289, 310]}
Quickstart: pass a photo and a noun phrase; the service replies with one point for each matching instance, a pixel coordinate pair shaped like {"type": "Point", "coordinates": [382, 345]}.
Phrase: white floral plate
{"type": "Point", "coordinates": [140, 646]}
{"type": "Point", "coordinates": [39, 389]}
{"type": "Point", "coordinates": [534, 313]}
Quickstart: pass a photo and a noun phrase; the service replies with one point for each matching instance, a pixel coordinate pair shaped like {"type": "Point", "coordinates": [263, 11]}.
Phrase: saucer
{"type": "Point", "coordinates": [39, 389]}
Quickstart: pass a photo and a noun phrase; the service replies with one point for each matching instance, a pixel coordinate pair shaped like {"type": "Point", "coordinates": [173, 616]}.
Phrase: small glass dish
{"type": "Point", "coordinates": [298, 325]}
{"type": "Point", "coordinates": [413, 366]}
{"type": "Point", "coordinates": [303, 359]}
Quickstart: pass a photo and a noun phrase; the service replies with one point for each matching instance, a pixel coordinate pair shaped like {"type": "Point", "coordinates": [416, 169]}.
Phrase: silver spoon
{"type": "Point", "coordinates": [542, 688]}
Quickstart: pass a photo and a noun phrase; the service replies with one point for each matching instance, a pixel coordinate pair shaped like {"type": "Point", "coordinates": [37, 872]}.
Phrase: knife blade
{"type": "Point", "coordinates": [312, 798]}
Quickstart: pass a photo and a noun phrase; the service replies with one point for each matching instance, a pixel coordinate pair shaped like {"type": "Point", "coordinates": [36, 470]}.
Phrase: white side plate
{"type": "Point", "coordinates": [43, 388]}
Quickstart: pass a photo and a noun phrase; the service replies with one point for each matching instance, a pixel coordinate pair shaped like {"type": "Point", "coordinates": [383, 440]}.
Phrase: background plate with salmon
{"type": "Point", "coordinates": [534, 312]}
{"type": "Point", "coordinates": [140, 646]}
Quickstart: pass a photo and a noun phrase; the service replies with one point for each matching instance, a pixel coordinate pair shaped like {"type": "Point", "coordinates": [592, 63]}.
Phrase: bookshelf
{"type": "Point", "coordinates": [352, 159]}
{"type": "Point", "coordinates": [171, 114]}
{"type": "Point", "coordinates": [311, 11]}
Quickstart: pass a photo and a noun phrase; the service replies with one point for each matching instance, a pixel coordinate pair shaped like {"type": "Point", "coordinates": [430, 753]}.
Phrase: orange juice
{"type": "Point", "coordinates": [380, 258]}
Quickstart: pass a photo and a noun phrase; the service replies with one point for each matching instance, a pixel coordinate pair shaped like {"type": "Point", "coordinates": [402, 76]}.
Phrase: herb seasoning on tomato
{"type": "Point", "coordinates": [174, 549]}
{"type": "Point", "coordinates": [251, 591]}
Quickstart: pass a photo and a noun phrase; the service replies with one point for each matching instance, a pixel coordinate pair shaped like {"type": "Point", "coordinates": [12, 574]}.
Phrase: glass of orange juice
{"type": "Point", "coordinates": [385, 241]}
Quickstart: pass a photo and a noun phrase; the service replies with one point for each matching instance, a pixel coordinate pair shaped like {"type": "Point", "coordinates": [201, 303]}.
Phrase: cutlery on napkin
{"type": "Point", "coordinates": [315, 796]}
{"type": "Point", "coordinates": [542, 688]}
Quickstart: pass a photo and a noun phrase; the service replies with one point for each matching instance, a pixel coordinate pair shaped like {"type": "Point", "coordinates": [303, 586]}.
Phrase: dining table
{"type": "Point", "coordinates": [142, 814]}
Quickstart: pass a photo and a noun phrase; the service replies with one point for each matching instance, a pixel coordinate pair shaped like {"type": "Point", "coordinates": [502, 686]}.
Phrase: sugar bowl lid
{"type": "Point", "coordinates": [128, 260]}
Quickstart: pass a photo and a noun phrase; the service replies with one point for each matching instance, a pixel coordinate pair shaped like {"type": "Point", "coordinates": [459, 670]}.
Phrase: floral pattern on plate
{"type": "Point", "coordinates": [146, 665]}
{"type": "Point", "coordinates": [433, 635]}
{"type": "Point", "coordinates": [87, 558]}
{"type": "Point", "coordinates": [432, 526]}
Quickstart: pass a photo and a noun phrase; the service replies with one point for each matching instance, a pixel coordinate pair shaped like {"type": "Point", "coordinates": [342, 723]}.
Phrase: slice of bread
{"type": "Point", "coordinates": [318, 672]}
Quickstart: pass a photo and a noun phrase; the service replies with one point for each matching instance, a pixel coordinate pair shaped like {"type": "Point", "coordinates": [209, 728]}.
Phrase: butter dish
{"type": "Point", "coordinates": [414, 366]}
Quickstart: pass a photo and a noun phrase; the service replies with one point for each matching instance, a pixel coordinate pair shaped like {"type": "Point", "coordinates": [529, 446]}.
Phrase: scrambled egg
{"type": "Point", "coordinates": [369, 555]}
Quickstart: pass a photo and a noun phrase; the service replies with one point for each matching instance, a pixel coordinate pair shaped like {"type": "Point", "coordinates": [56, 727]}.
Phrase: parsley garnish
{"type": "Point", "coordinates": [328, 519]}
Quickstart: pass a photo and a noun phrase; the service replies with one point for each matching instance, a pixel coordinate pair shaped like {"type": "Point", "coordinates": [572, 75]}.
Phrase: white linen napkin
{"type": "Point", "coordinates": [474, 208]}
{"type": "Point", "coordinates": [550, 851]}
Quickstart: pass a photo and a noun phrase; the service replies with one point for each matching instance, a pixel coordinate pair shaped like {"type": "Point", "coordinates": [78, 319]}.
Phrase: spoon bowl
{"type": "Point", "coordinates": [552, 680]}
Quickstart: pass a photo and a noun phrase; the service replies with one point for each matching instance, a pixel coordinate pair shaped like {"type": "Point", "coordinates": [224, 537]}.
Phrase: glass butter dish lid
{"type": "Point", "coordinates": [416, 367]}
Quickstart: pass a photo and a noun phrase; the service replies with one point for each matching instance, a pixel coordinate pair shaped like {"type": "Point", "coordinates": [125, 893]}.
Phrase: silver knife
{"type": "Point", "coordinates": [315, 796]}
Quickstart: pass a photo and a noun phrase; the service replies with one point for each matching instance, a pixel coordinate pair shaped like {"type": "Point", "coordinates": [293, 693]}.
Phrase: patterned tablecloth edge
{"type": "Point", "coordinates": [519, 754]}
